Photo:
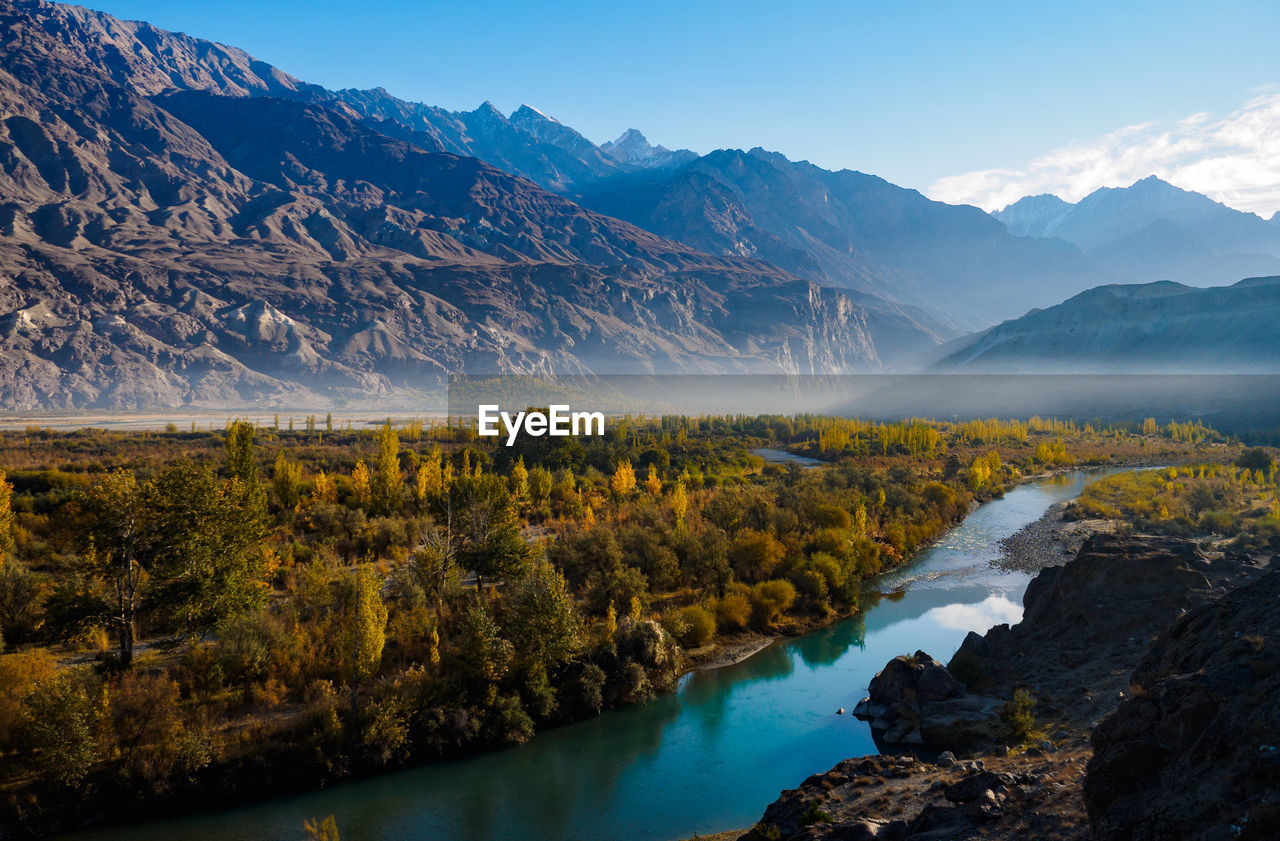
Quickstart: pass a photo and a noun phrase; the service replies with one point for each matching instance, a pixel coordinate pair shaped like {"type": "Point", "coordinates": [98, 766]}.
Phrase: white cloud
{"type": "Point", "coordinates": [977, 617]}
{"type": "Point", "coordinates": [1234, 159]}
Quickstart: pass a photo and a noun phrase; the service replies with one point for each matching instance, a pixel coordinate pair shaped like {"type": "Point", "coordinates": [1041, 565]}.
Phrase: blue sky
{"type": "Point", "coordinates": [911, 91]}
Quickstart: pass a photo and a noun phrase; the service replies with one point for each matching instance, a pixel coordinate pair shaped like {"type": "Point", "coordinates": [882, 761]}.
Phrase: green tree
{"type": "Point", "coordinates": [286, 477]}
{"type": "Point", "coordinates": [206, 543]}
{"type": "Point", "coordinates": [60, 731]}
{"type": "Point", "coordinates": [543, 621]}
{"type": "Point", "coordinates": [117, 546]}
{"type": "Point", "coordinates": [364, 625]}
{"type": "Point", "coordinates": [485, 653]}
{"type": "Point", "coordinates": [242, 460]}
{"type": "Point", "coordinates": [485, 527]}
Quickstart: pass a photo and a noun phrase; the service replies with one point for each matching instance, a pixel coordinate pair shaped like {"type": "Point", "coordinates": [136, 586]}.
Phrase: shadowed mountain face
{"type": "Point", "coordinates": [854, 230]}
{"type": "Point", "coordinates": [164, 247]}
{"type": "Point", "coordinates": [1159, 327]}
{"type": "Point", "coordinates": [1153, 230]}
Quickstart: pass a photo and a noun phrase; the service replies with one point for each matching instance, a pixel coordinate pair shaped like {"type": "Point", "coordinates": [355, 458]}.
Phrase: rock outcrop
{"type": "Point", "coordinates": [1191, 754]}
{"type": "Point", "coordinates": [915, 701]}
{"type": "Point", "coordinates": [1194, 752]}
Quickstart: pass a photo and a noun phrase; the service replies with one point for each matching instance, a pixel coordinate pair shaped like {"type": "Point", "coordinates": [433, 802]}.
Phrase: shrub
{"type": "Point", "coordinates": [1017, 715]}
{"type": "Point", "coordinates": [812, 586]}
{"type": "Point", "coordinates": [769, 600]}
{"type": "Point", "coordinates": [508, 722]}
{"type": "Point", "coordinates": [700, 626]}
{"type": "Point", "coordinates": [59, 719]}
{"type": "Point", "coordinates": [733, 612]}
{"type": "Point", "coordinates": [19, 674]}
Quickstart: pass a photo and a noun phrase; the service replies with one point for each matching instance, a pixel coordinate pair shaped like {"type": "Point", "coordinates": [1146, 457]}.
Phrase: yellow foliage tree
{"type": "Point", "coordinates": [652, 483]}
{"type": "Point", "coordinates": [6, 515]}
{"type": "Point", "coordinates": [326, 489]}
{"type": "Point", "coordinates": [360, 482]}
{"type": "Point", "coordinates": [624, 478]}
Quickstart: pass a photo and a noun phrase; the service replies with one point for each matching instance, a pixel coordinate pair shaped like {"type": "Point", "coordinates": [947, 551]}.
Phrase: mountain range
{"type": "Point", "coordinates": [1150, 328]}
{"type": "Point", "coordinates": [1153, 230]}
{"type": "Point", "coordinates": [184, 225]}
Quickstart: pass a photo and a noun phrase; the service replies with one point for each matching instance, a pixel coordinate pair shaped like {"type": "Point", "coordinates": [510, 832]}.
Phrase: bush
{"type": "Point", "coordinates": [60, 719]}
{"type": "Point", "coordinates": [1018, 718]}
{"type": "Point", "coordinates": [19, 675]}
{"type": "Point", "coordinates": [700, 626]}
{"type": "Point", "coordinates": [508, 722]}
{"type": "Point", "coordinates": [733, 612]}
{"type": "Point", "coordinates": [147, 724]}
{"type": "Point", "coordinates": [769, 600]}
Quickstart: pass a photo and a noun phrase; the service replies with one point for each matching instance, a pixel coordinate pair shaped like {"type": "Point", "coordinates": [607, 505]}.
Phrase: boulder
{"type": "Point", "coordinates": [915, 700]}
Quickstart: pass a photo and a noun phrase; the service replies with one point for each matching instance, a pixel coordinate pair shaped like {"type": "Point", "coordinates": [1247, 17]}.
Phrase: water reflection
{"type": "Point", "coordinates": [825, 647]}
{"type": "Point", "coordinates": [993, 610]}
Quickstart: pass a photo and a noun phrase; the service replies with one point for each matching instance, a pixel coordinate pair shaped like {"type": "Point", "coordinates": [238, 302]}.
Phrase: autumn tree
{"type": "Point", "coordinates": [624, 478]}
{"type": "Point", "coordinates": [388, 481]}
{"type": "Point", "coordinates": [360, 483]}
{"type": "Point", "coordinates": [652, 483]}
{"type": "Point", "coordinates": [6, 515]}
{"type": "Point", "coordinates": [519, 480]}
{"type": "Point", "coordinates": [429, 483]}
{"type": "Point", "coordinates": [325, 489]}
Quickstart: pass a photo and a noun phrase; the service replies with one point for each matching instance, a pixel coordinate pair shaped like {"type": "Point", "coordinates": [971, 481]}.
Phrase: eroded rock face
{"type": "Point", "coordinates": [1193, 754]}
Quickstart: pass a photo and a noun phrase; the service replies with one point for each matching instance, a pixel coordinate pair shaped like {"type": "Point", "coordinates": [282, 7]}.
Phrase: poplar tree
{"type": "Point", "coordinates": [6, 515]}
{"type": "Point", "coordinates": [364, 626]}
{"type": "Point", "coordinates": [388, 482]}
{"type": "Point", "coordinates": [361, 485]}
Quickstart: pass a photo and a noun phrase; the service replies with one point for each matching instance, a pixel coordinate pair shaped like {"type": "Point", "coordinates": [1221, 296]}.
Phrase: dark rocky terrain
{"type": "Point", "coordinates": [1193, 753]}
{"type": "Point", "coordinates": [1182, 729]}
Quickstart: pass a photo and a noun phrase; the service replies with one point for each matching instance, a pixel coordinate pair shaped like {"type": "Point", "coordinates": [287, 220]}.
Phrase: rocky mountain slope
{"type": "Point", "coordinates": [1159, 327]}
{"type": "Point", "coordinates": [854, 230]}
{"type": "Point", "coordinates": [1193, 754]}
{"type": "Point", "coordinates": [166, 240]}
{"type": "Point", "coordinates": [1152, 230]}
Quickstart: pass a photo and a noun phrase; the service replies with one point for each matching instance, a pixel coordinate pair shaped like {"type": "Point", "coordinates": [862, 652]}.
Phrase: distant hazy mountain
{"type": "Point", "coordinates": [1160, 327]}
{"type": "Point", "coordinates": [634, 148]}
{"type": "Point", "coordinates": [852, 229]}
{"type": "Point", "coordinates": [1153, 230]}
{"type": "Point", "coordinates": [168, 240]}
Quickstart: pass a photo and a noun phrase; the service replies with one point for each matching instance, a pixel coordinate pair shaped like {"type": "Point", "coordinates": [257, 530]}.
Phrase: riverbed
{"type": "Point", "coordinates": [703, 759]}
